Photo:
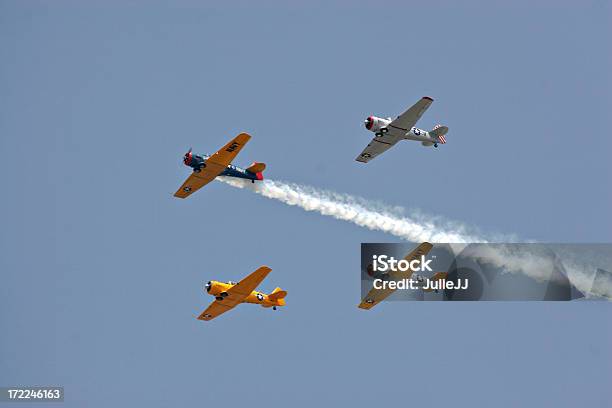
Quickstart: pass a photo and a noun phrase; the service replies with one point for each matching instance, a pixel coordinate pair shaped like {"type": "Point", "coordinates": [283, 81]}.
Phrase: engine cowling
{"type": "Point", "coordinates": [370, 271]}
{"type": "Point", "coordinates": [187, 159]}
{"type": "Point", "coordinates": [214, 287]}
{"type": "Point", "coordinates": [194, 161]}
{"type": "Point", "coordinates": [374, 123]}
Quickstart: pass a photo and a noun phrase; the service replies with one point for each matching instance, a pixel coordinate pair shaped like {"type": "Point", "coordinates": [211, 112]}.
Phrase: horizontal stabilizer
{"type": "Point", "coordinates": [277, 294]}
{"type": "Point", "coordinates": [256, 168]}
{"type": "Point", "coordinates": [438, 133]}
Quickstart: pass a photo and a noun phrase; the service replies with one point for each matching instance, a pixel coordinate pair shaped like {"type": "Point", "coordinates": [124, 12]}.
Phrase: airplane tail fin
{"type": "Point", "coordinates": [257, 169]}
{"type": "Point", "coordinates": [439, 132]}
{"type": "Point", "coordinates": [278, 295]}
{"type": "Point", "coordinates": [437, 276]}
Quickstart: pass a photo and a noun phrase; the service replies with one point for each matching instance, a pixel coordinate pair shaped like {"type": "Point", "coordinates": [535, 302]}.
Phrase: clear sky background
{"type": "Point", "coordinates": [102, 269]}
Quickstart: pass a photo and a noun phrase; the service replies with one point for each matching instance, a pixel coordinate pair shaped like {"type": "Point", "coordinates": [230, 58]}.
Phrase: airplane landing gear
{"type": "Point", "coordinates": [435, 145]}
{"type": "Point", "coordinates": [381, 132]}
{"type": "Point", "coordinates": [273, 307]}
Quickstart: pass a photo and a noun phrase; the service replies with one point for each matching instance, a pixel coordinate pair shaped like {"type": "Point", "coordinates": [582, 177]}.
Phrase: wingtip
{"type": "Point", "coordinates": [429, 98]}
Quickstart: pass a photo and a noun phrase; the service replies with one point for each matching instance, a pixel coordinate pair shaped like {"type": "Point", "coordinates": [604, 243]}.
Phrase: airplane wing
{"type": "Point", "coordinates": [378, 145]}
{"type": "Point", "coordinates": [248, 284]}
{"type": "Point", "coordinates": [404, 122]}
{"type": "Point", "coordinates": [375, 296]}
{"type": "Point", "coordinates": [196, 181]}
{"type": "Point", "coordinates": [227, 153]}
{"type": "Point", "coordinates": [215, 309]}
{"type": "Point", "coordinates": [215, 165]}
{"type": "Point", "coordinates": [236, 294]}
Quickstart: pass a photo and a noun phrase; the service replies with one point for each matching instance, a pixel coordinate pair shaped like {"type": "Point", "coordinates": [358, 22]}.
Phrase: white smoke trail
{"type": "Point", "coordinates": [414, 227]}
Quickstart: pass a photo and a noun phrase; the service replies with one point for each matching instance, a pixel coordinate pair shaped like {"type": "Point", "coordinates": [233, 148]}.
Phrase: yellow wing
{"type": "Point", "coordinates": [215, 309]}
{"type": "Point", "coordinates": [196, 181]}
{"type": "Point", "coordinates": [376, 296]}
{"type": "Point", "coordinates": [214, 166]}
{"type": "Point", "coordinates": [236, 294]}
{"type": "Point", "coordinates": [244, 288]}
{"type": "Point", "coordinates": [228, 152]}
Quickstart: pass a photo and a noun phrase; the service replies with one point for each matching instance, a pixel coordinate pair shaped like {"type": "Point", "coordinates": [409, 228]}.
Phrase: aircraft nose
{"type": "Point", "coordinates": [208, 286]}
{"type": "Point", "coordinates": [370, 270]}
{"type": "Point", "coordinates": [187, 158]}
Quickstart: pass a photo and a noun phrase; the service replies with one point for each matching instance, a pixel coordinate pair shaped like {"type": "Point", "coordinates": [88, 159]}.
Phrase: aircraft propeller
{"type": "Point", "coordinates": [188, 157]}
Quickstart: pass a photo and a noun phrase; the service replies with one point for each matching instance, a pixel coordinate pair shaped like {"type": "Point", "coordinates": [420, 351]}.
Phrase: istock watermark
{"type": "Point", "coordinates": [384, 263]}
{"type": "Point", "coordinates": [451, 272]}
{"type": "Point", "coordinates": [416, 284]}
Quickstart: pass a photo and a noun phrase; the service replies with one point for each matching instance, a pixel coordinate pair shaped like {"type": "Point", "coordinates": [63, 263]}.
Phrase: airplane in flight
{"type": "Point", "coordinates": [231, 294]}
{"type": "Point", "coordinates": [390, 131]}
{"type": "Point", "coordinates": [207, 168]}
{"type": "Point", "coordinates": [375, 296]}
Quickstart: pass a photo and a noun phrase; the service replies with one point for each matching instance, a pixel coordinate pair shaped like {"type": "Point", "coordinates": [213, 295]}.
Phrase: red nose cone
{"type": "Point", "coordinates": [369, 122]}
{"type": "Point", "coordinates": [370, 270]}
{"type": "Point", "coordinates": [187, 159]}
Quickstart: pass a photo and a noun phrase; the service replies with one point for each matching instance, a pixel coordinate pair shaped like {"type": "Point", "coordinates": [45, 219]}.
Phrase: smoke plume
{"type": "Point", "coordinates": [412, 225]}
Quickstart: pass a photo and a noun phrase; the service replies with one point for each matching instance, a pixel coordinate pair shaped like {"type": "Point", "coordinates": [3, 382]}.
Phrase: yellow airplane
{"type": "Point", "coordinates": [231, 294]}
{"type": "Point", "coordinates": [375, 296]}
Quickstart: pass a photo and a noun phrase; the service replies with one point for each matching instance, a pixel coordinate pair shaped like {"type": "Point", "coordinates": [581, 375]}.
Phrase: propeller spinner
{"type": "Point", "coordinates": [188, 157]}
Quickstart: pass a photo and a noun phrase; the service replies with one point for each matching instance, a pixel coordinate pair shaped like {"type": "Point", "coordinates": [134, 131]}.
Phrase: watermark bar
{"type": "Point", "coordinates": [477, 271]}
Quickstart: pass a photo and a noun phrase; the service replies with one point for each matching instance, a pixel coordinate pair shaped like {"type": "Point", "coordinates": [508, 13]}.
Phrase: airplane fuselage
{"type": "Point", "coordinates": [197, 162]}
{"type": "Point", "coordinates": [411, 134]}
{"type": "Point", "coordinates": [217, 289]}
{"type": "Point", "coordinates": [382, 126]}
{"type": "Point", "coordinates": [418, 134]}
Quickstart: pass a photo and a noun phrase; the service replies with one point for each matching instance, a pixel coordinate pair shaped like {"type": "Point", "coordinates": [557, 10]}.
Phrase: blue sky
{"type": "Point", "coordinates": [103, 269]}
